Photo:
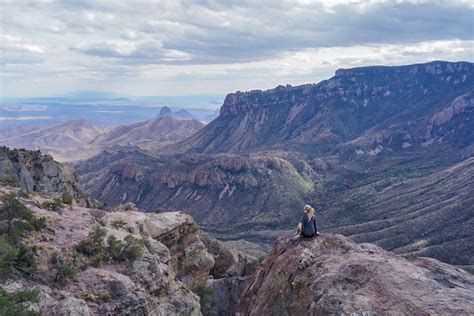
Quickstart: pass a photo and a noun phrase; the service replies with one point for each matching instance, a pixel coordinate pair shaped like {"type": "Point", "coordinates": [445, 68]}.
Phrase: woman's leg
{"type": "Point", "coordinates": [298, 228]}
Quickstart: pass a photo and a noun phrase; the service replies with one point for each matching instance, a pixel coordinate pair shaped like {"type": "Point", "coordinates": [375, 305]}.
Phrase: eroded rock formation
{"type": "Point", "coordinates": [330, 275]}
{"type": "Point", "coordinates": [33, 172]}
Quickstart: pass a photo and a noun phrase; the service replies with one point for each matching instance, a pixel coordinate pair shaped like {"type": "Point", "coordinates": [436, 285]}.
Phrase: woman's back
{"type": "Point", "coordinates": [308, 226]}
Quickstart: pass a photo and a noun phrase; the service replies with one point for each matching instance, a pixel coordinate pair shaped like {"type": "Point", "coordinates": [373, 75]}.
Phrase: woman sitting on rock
{"type": "Point", "coordinates": [307, 228]}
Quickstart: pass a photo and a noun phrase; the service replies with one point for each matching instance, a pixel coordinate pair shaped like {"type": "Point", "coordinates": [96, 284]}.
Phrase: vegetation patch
{"type": "Point", "coordinates": [119, 223]}
{"type": "Point", "coordinates": [63, 270]}
{"type": "Point", "coordinates": [94, 246]}
{"type": "Point", "coordinates": [129, 249]}
{"type": "Point", "coordinates": [15, 221]}
{"type": "Point", "coordinates": [16, 303]}
{"type": "Point", "coordinates": [54, 206]}
{"type": "Point", "coordinates": [66, 198]}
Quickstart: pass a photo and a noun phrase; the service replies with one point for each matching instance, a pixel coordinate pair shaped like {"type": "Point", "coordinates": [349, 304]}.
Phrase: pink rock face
{"type": "Point", "coordinates": [330, 275]}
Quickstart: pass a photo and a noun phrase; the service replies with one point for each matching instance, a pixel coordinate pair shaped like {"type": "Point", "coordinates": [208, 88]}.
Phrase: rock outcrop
{"type": "Point", "coordinates": [125, 262]}
{"type": "Point", "coordinates": [33, 172]}
{"type": "Point", "coordinates": [331, 275]}
{"type": "Point", "coordinates": [229, 276]}
{"type": "Point", "coordinates": [174, 260]}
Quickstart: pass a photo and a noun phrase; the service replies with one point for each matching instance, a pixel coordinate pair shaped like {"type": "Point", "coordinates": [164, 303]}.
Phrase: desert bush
{"type": "Point", "coordinates": [119, 223]}
{"type": "Point", "coordinates": [129, 249]}
{"type": "Point", "coordinates": [16, 220]}
{"type": "Point", "coordinates": [14, 303]}
{"type": "Point", "coordinates": [8, 255]}
{"type": "Point", "coordinates": [25, 261]}
{"type": "Point", "coordinates": [54, 206]}
{"type": "Point", "coordinates": [66, 198]}
{"type": "Point", "coordinates": [63, 270]}
{"type": "Point", "coordinates": [23, 194]}
{"type": "Point", "coordinates": [115, 248]}
{"type": "Point", "coordinates": [133, 248]}
{"type": "Point", "coordinates": [94, 243]}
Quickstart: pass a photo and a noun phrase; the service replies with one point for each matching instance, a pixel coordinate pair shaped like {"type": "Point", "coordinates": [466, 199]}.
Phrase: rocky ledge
{"type": "Point", "coordinates": [86, 261]}
{"type": "Point", "coordinates": [331, 275]}
{"type": "Point", "coordinates": [34, 172]}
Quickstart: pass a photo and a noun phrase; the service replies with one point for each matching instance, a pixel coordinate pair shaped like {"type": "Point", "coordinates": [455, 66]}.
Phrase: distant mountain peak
{"type": "Point", "coordinates": [182, 113]}
{"type": "Point", "coordinates": [165, 111]}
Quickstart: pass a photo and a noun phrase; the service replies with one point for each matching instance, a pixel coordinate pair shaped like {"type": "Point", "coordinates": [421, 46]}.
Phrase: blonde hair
{"type": "Point", "coordinates": [309, 210]}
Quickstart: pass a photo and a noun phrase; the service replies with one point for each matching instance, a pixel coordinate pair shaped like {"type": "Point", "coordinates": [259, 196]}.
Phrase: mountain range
{"type": "Point", "coordinates": [65, 254]}
{"type": "Point", "coordinates": [79, 139]}
{"type": "Point", "coordinates": [345, 145]}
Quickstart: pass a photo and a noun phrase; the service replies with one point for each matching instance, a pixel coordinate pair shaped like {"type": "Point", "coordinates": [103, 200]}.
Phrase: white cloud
{"type": "Point", "coordinates": [205, 46]}
{"type": "Point", "coordinates": [15, 43]}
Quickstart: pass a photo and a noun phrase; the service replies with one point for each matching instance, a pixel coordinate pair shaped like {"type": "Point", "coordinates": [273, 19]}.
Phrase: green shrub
{"type": "Point", "coordinates": [8, 255]}
{"type": "Point", "coordinates": [93, 246]}
{"type": "Point", "coordinates": [119, 223]}
{"type": "Point", "coordinates": [66, 198]}
{"type": "Point", "coordinates": [25, 261]}
{"type": "Point", "coordinates": [94, 243]}
{"type": "Point", "coordinates": [98, 259]}
{"type": "Point", "coordinates": [115, 248]}
{"type": "Point", "coordinates": [14, 303]}
{"type": "Point", "coordinates": [55, 206]}
{"type": "Point", "coordinates": [38, 223]}
{"type": "Point", "coordinates": [133, 248]}
{"type": "Point", "coordinates": [16, 216]}
{"type": "Point", "coordinates": [10, 181]}
{"type": "Point", "coordinates": [17, 221]}
{"type": "Point", "coordinates": [129, 249]}
{"type": "Point", "coordinates": [63, 270]}
{"type": "Point", "coordinates": [23, 194]}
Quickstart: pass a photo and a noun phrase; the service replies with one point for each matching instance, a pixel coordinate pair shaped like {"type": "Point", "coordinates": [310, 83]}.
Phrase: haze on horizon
{"type": "Point", "coordinates": [200, 47]}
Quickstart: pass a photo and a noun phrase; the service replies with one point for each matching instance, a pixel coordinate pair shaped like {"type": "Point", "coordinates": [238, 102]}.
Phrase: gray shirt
{"type": "Point", "coordinates": [308, 226]}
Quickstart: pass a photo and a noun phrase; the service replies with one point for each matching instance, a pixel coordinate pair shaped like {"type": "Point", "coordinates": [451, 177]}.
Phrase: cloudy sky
{"type": "Point", "coordinates": [192, 47]}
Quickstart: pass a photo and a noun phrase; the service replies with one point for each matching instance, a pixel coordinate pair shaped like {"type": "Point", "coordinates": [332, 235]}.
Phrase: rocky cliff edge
{"type": "Point", "coordinates": [331, 275]}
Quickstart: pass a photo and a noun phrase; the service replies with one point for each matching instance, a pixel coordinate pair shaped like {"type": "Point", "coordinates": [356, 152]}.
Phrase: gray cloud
{"type": "Point", "coordinates": [244, 34]}
{"type": "Point", "coordinates": [241, 31]}
{"type": "Point", "coordinates": [243, 43]}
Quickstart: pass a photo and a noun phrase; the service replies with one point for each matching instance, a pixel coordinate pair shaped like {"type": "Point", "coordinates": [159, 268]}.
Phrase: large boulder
{"type": "Point", "coordinates": [71, 306]}
{"type": "Point", "coordinates": [331, 275]}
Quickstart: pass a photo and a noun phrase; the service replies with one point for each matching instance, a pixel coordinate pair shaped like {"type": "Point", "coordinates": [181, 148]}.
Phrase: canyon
{"type": "Point", "coordinates": [344, 145]}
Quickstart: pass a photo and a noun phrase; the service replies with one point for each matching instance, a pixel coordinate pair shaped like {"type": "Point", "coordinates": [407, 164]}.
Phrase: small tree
{"type": "Point", "coordinates": [14, 303]}
{"type": "Point", "coordinates": [64, 271]}
{"type": "Point", "coordinates": [128, 249]}
{"type": "Point", "coordinates": [17, 217]}
{"type": "Point", "coordinates": [66, 198]}
{"type": "Point", "coordinates": [94, 243]}
{"type": "Point", "coordinates": [8, 255]}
